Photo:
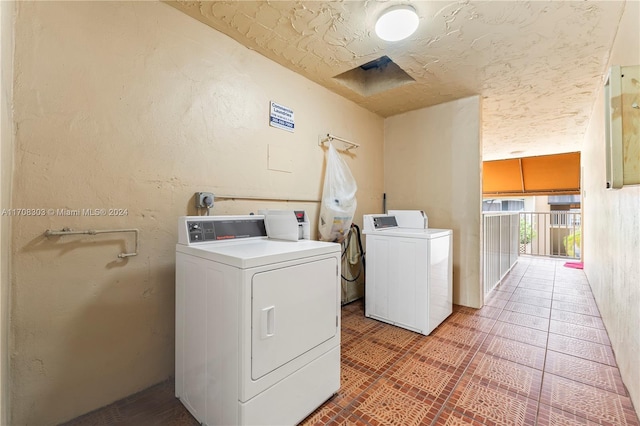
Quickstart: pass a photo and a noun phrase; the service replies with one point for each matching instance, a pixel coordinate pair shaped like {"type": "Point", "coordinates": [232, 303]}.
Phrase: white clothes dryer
{"type": "Point", "coordinates": [257, 322]}
{"type": "Point", "coordinates": [409, 281]}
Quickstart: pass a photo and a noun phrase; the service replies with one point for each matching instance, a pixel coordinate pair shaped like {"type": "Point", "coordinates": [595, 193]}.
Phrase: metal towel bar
{"type": "Point", "coordinates": [67, 231]}
{"type": "Point", "coordinates": [330, 137]}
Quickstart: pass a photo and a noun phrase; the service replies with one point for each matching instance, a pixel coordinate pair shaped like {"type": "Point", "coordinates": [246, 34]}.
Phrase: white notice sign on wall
{"type": "Point", "coordinates": [281, 117]}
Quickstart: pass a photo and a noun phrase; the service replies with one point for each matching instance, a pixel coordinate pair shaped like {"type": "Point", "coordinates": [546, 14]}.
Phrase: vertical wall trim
{"type": "Point", "coordinates": [7, 9]}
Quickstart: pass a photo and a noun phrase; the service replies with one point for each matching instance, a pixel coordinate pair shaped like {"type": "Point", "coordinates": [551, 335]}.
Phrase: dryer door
{"type": "Point", "coordinates": [294, 309]}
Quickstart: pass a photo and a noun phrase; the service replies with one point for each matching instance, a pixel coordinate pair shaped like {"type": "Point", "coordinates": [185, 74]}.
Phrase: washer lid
{"type": "Point", "coordinates": [251, 253]}
{"type": "Point", "coordinates": [413, 232]}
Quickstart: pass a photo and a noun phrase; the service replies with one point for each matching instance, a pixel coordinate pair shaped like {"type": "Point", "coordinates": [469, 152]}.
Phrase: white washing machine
{"type": "Point", "coordinates": [257, 322]}
{"type": "Point", "coordinates": [409, 281]}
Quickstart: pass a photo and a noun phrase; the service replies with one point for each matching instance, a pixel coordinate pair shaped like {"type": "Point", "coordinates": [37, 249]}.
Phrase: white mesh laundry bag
{"type": "Point", "coordinates": [338, 199]}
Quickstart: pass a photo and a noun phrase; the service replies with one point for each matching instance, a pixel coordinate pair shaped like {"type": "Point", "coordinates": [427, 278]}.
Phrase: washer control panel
{"type": "Point", "coordinates": [200, 229]}
{"type": "Point", "coordinates": [382, 222]}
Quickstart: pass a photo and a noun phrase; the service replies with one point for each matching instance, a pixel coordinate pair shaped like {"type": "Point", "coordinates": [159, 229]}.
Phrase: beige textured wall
{"type": "Point", "coordinates": [6, 147]}
{"type": "Point", "coordinates": [611, 240]}
{"type": "Point", "coordinates": [433, 163]}
{"type": "Point", "coordinates": [135, 105]}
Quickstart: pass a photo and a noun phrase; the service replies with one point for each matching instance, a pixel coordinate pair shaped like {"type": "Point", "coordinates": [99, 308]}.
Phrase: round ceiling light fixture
{"type": "Point", "coordinates": [397, 23]}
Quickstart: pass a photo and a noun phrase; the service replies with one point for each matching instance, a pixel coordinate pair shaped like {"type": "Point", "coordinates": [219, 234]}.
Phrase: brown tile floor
{"type": "Point", "coordinates": [536, 354]}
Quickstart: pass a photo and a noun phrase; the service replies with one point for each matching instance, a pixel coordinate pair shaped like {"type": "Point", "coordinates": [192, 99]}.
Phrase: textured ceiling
{"type": "Point", "coordinates": [537, 65]}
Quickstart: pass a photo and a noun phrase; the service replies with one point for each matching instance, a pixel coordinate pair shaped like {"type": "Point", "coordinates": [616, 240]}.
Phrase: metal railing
{"type": "Point", "coordinates": [508, 235]}
{"type": "Point", "coordinates": [500, 246]}
{"type": "Point", "coordinates": [555, 234]}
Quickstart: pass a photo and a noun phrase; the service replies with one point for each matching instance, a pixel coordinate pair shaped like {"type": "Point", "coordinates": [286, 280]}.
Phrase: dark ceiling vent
{"type": "Point", "coordinates": [376, 63]}
{"type": "Point", "coordinates": [374, 77]}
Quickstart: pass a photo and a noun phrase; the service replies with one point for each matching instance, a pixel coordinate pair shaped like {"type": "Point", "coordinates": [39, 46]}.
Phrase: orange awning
{"type": "Point", "coordinates": [543, 175]}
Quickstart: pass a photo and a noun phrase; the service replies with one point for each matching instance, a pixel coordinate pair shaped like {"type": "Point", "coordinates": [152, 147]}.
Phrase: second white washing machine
{"type": "Point", "coordinates": [409, 271]}
{"type": "Point", "coordinates": [257, 322]}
